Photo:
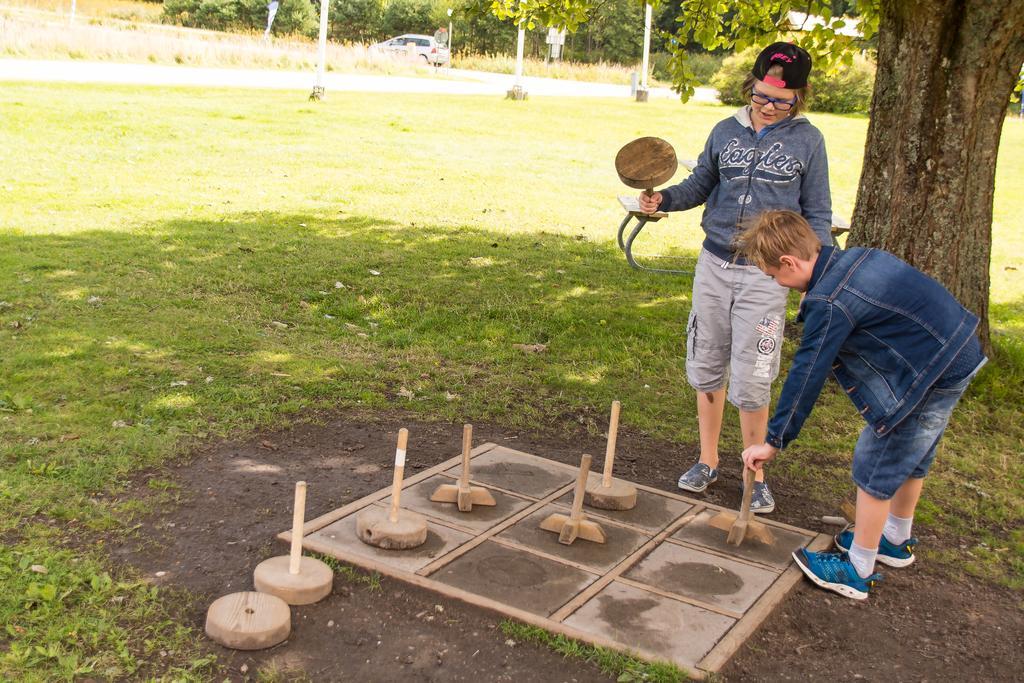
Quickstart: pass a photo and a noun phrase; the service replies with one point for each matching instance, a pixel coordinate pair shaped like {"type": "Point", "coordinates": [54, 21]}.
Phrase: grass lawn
{"type": "Point", "coordinates": [181, 264]}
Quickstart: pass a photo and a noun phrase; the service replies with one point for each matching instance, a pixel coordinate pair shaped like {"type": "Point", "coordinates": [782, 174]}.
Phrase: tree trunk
{"type": "Point", "coordinates": [946, 69]}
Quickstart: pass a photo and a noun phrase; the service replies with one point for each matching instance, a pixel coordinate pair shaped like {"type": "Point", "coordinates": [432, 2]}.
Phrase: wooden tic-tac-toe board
{"type": "Point", "coordinates": [665, 586]}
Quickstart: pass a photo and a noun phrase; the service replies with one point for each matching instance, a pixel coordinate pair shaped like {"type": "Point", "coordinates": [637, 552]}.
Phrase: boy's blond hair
{"type": "Point", "coordinates": [774, 234]}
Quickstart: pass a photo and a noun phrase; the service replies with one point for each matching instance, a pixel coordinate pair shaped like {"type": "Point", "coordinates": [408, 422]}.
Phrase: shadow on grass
{"type": "Point", "coordinates": [118, 347]}
{"type": "Point", "coordinates": [190, 326]}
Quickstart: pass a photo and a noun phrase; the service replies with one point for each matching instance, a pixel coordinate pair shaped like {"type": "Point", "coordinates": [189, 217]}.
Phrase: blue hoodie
{"type": "Point", "coordinates": [738, 176]}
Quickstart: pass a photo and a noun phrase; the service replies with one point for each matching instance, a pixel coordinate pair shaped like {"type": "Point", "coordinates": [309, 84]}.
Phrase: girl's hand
{"type": "Point", "coordinates": [650, 203]}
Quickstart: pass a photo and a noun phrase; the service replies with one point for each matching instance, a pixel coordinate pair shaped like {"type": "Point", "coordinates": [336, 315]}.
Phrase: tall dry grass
{"type": "Point", "coordinates": [33, 35]}
{"type": "Point", "coordinates": [127, 31]}
{"type": "Point", "coordinates": [130, 10]}
{"type": "Point", "coordinates": [600, 72]}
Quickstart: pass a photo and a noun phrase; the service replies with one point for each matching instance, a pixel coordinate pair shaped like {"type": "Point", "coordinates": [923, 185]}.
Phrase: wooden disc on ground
{"type": "Point", "coordinates": [374, 527]}
{"type": "Point", "coordinates": [249, 620]}
{"type": "Point", "coordinates": [646, 163]}
{"type": "Point", "coordinates": [313, 582]}
{"type": "Point", "coordinates": [621, 495]}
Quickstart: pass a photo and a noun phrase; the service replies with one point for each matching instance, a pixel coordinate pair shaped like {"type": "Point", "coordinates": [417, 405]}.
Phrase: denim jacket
{"type": "Point", "coordinates": [887, 331]}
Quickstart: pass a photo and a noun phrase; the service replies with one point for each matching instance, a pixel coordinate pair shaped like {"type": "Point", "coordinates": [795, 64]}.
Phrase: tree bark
{"type": "Point", "coordinates": [946, 69]}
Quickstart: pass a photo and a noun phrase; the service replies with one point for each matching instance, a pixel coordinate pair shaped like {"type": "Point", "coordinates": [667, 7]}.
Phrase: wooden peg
{"type": "Point", "coordinates": [608, 493]}
{"type": "Point", "coordinates": [463, 494]}
{"type": "Point", "coordinates": [576, 525]}
{"type": "Point", "coordinates": [394, 529]}
{"type": "Point", "coordinates": [295, 579]}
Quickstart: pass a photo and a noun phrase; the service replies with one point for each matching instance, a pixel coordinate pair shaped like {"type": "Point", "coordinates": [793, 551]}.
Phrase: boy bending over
{"type": "Point", "coordinates": [902, 348]}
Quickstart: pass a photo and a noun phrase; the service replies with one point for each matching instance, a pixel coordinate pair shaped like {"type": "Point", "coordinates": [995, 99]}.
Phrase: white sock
{"type": "Point", "coordinates": [897, 529]}
{"type": "Point", "coordinates": [863, 560]}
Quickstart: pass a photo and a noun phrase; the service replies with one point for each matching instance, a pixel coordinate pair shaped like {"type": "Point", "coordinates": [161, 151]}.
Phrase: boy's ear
{"type": "Point", "coordinates": [786, 260]}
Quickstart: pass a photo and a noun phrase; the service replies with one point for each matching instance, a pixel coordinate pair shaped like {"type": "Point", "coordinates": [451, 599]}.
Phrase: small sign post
{"type": "Point", "coordinates": [555, 41]}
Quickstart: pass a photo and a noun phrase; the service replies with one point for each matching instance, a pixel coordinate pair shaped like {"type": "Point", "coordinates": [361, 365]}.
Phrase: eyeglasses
{"type": "Point", "coordinates": [781, 105]}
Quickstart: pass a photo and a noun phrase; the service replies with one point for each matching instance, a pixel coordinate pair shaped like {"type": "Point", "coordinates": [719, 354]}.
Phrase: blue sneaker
{"type": "Point", "coordinates": [835, 572]}
{"type": "Point", "coordinates": [890, 554]}
{"type": "Point", "coordinates": [697, 478]}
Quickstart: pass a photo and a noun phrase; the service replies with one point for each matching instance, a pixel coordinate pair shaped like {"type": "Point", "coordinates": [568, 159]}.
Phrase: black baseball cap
{"type": "Point", "coordinates": [795, 63]}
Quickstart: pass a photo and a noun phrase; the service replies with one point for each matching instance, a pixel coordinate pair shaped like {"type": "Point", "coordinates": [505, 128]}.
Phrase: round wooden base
{"type": "Point", "coordinates": [313, 582]}
{"type": "Point", "coordinates": [248, 620]}
{"type": "Point", "coordinates": [374, 528]}
{"type": "Point", "coordinates": [620, 495]}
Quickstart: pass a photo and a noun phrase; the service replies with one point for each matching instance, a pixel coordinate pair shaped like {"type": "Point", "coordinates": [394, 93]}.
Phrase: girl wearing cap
{"type": "Point", "coordinates": [765, 156]}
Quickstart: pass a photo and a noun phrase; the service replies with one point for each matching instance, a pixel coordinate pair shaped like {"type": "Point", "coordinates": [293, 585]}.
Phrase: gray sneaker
{"type": "Point", "coordinates": [761, 501]}
{"type": "Point", "coordinates": [697, 478]}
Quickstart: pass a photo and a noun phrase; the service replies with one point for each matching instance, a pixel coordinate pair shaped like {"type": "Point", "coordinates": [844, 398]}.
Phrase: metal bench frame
{"type": "Point", "coordinates": [840, 226]}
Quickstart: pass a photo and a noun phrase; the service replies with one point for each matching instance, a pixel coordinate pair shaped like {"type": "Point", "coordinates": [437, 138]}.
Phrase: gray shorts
{"type": "Point", "coordinates": [734, 334]}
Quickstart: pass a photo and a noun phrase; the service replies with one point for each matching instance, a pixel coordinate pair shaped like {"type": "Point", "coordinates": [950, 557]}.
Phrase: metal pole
{"type": "Point", "coordinates": [318, 89]}
{"type": "Point", "coordinates": [72, 19]}
{"type": "Point", "coordinates": [519, 55]}
{"type": "Point", "coordinates": [451, 53]}
{"type": "Point", "coordinates": [647, 45]}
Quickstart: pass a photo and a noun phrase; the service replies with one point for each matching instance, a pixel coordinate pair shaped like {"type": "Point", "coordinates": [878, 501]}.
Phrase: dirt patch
{"type": "Point", "coordinates": [235, 497]}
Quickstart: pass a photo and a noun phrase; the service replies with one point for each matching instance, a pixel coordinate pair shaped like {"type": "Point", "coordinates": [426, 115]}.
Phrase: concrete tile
{"type": "Point", "coordinates": [341, 542]}
{"type": "Point", "coordinates": [699, 532]}
{"type": "Point", "coordinates": [706, 569]}
{"type": "Point", "coordinates": [652, 512]}
{"type": "Point", "coordinates": [598, 556]}
{"type": "Point", "coordinates": [515, 577]}
{"type": "Point", "coordinates": [703, 576]}
{"type": "Point", "coordinates": [517, 472]}
{"type": "Point", "coordinates": [679, 632]}
{"type": "Point", "coordinates": [481, 518]}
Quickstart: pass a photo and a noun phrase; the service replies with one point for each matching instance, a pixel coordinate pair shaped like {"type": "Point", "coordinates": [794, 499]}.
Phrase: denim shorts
{"type": "Point", "coordinates": [881, 464]}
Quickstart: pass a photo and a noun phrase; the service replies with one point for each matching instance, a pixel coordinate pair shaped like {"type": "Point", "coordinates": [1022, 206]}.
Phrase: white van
{"type": "Point", "coordinates": [420, 46]}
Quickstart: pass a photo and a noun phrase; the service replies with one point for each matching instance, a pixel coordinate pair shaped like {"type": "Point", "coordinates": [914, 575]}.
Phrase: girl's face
{"type": "Point", "coordinates": [764, 111]}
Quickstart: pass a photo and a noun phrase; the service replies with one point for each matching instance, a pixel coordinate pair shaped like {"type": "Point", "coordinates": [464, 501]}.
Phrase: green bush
{"type": "Point", "coordinates": [478, 31]}
{"type": "Point", "coordinates": [616, 32]}
{"type": "Point", "coordinates": [293, 16]}
{"type": "Point", "coordinates": [356, 21]}
{"type": "Point", "coordinates": [407, 16]}
{"type": "Point", "coordinates": [659, 66]}
{"type": "Point", "coordinates": [845, 92]}
{"type": "Point", "coordinates": [705, 65]}
{"type": "Point", "coordinates": [729, 79]}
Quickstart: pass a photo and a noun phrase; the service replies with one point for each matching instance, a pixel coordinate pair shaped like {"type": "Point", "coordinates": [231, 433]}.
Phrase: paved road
{"type": "Point", "coordinates": [447, 82]}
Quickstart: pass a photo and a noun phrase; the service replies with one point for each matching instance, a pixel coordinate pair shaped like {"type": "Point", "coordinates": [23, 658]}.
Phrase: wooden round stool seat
{"type": "Point", "coordinates": [374, 527]}
{"type": "Point", "coordinates": [620, 495]}
{"type": "Point", "coordinates": [646, 163]}
{"type": "Point", "coordinates": [313, 582]}
{"type": "Point", "coordinates": [249, 620]}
